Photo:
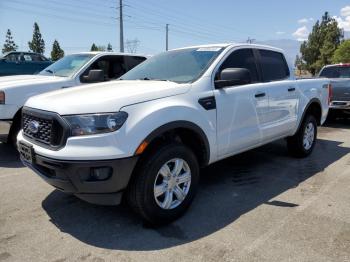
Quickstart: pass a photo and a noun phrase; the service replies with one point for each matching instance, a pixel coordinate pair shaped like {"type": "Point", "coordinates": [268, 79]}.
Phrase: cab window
{"type": "Point", "coordinates": [242, 58]}
{"type": "Point", "coordinates": [113, 67]}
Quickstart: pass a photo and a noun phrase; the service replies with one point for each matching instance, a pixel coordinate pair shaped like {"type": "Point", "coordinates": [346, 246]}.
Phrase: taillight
{"type": "Point", "coordinates": [330, 93]}
{"type": "Point", "coordinates": [2, 97]}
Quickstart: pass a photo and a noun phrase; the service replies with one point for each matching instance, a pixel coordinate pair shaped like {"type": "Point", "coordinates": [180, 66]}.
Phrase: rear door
{"type": "Point", "coordinates": [241, 110]}
{"type": "Point", "coordinates": [282, 92]}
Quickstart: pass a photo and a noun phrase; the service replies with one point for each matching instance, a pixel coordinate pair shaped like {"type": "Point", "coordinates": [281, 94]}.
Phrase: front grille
{"type": "Point", "coordinates": [44, 128]}
{"type": "Point", "coordinates": [44, 132]}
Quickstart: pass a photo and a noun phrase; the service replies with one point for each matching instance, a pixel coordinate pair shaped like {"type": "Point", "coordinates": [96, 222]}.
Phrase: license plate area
{"type": "Point", "coordinates": [26, 152]}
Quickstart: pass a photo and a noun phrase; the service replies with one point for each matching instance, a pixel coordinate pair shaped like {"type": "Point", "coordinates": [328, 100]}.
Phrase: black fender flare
{"type": "Point", "coordinates": [186, 125]}
{"type": "Point", "coordinates": [313, 100]}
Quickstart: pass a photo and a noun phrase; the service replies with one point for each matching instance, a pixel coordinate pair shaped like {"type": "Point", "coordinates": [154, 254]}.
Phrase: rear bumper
{"type": "Point", "coordinates": [5, 126]}
{"type": "Point", "coordinates": [341, 105]}
{"type": "Point", "coordinates": [76, 177]}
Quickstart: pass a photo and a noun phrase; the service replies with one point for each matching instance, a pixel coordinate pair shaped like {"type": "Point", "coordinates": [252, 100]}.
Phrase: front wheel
{"type": "Point", "coordinates": [165, 184]}
{"type": "Point", "coordinates": [303, 142]}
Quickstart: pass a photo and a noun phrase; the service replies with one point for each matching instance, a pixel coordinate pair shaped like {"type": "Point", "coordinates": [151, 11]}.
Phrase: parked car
{"type": "Point", "coordinates": [339, 76]}
{"type": "Point", "coordinates": [146, 137]}
{"type": "Point", "coordinates": [70, 71]}
{"type": "Point", "coordinates": [22, 63]}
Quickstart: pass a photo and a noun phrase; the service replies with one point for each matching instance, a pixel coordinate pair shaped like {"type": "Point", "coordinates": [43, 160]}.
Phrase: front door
{"type": "Point", "coordinates": [241, 110]}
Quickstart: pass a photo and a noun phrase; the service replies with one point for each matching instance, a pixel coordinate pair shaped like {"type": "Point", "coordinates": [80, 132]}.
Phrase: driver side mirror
{"type": "Point", "coordinates": [233, 77]}
{"type": "Point", "coordinates": [94, 76]}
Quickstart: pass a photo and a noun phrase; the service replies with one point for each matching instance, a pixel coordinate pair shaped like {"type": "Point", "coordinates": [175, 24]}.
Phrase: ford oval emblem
{"type": "Point", "coordinates": [33, 127]}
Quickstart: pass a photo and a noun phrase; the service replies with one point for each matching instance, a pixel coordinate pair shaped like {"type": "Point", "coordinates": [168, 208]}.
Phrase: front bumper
{"type": "Point", "coordinates": [5, 126]}
{"type": "Point", "coordinates": [75, 177]}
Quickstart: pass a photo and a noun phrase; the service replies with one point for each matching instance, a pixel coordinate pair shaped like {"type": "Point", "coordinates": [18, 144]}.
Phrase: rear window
{"type": "Point", "coordinates": [132, 61]}
{"type": "Point", "coordinates": [335, 72]}
{"type": "Point", "coordinates": [274, 66]}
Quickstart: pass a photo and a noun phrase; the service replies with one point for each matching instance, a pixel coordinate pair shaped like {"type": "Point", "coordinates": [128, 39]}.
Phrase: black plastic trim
{"type": "Point", "coordinates": [182, 124]}
{"type": "Point", "coordinates": [208, 103]}
{"type": "Point", "coordinates": [72, 177]}
{"type": "Point", "coordinates": [48, 115]}
{"type": "Point", "coordinates": [313, 100]}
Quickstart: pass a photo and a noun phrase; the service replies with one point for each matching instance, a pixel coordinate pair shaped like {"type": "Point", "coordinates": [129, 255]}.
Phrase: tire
{"type": "Point", "coordinates": [297, 145]}
{"type": "Point", "coordinates": [141, 195]}
{"type": "Point", "coordinates": [12, 138]}
{"type": "Point", "coordinates": [332, 116]}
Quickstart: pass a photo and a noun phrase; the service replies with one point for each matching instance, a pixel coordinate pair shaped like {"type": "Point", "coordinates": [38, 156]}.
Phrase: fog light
{"type": "Point", "coordinates": [100, 173]}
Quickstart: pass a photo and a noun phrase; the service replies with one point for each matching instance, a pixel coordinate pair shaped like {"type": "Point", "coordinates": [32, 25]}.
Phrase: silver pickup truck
{"type": "Point", "coordinates": [339, 75]}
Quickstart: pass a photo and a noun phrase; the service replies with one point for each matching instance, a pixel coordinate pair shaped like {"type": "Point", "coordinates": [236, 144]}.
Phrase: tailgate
{"type": "Point", "coordinates": [341, 89]}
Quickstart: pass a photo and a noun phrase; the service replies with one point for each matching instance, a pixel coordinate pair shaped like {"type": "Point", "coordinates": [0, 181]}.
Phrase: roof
{"type": "Point", "coordinates": [225, 45]}
{"type": "Point", "coordinates": [109, 53]}
{"type": "Point", "coordinates": [340, 64]}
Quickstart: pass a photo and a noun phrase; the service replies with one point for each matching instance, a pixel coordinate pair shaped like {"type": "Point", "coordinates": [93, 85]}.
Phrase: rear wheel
{"type": "Point", "coordinates": [165, 184]}
{"type": "Point", "coordinates": [303, 142]}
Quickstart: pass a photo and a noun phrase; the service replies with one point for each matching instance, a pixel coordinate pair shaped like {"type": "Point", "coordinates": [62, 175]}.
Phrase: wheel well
{"type": "Point", "coordinates": [186, 136]}
{"type": "Point", "coordinates": [315, 109]}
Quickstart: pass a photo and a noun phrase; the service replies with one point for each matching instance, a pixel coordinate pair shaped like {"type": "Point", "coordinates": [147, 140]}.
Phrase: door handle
{"type": "Point", "coordinates": [260, 95]}
{"type": "Point", "coordinates": [291, 89]}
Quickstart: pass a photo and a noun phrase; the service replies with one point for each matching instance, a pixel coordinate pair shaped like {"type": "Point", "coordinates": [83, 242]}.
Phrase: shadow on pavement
{"type": "Point", "coordinates": [228, 190]}
{"type": "Point", "coordinates": [9, 157]}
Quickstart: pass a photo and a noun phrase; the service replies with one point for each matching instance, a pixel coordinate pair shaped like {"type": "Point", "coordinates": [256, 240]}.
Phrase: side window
{"type": "Point", "coordinates": [35, 57]}
{"type": "Point", "coordinates": [27, 57]}
{"type": "Point", "coordinates": [274, 66]}
{"type": "Point", "coordinates": [13, 57]}
{"type": "Point", "coordinates": [242, 58]}
{"type": "Point", "coordinates": [113, 67]}
{"type": "Point", "coordinates": [132, 61]}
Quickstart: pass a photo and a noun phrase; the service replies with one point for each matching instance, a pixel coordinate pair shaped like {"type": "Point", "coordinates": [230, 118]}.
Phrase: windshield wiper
{"type": "Point", "coordinates": [50, 71]}
{"type": "Point", "coordinates": [154, 79]}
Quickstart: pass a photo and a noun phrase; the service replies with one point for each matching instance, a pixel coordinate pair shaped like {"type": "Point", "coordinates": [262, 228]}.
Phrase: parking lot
{"type": "Point", "coordinates": [259, 206]}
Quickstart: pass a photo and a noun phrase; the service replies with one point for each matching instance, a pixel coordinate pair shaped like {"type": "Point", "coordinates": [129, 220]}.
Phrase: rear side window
{"type": "Point", "coordinates": [335, 72]}
{"type": "Point", "coordinates": [132, 61]}
{"type": "Point", "coordinates": [273, 65]}
{"type": "Point", "coordinates": [242, 58]}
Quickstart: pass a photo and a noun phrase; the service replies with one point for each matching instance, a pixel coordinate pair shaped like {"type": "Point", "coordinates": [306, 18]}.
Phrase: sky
{"type": "Point", "coordinates": [76, 24]}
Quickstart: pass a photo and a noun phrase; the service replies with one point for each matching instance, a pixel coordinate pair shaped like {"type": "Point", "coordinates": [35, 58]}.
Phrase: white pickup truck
{"type": "Point", "coordinates": [146, 137]}
{"type": "Point", "coordinates": [70, 71]}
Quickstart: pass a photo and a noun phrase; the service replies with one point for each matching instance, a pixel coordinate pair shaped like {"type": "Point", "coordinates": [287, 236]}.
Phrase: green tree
{"type": "Point", "coordinates": [94, 47]}
{"type": "Point", "coordinates": [299, 64]}
{"type": "Point", "coordinates": [109, 47]}
{"type": "Point", "coordinates": [9, 43]}
{"type": "Point", "coordinates": [342, 54]}
{"type": "Point", "coordinates": [37, 44]}
{"type": "Point", "coordinates": [322, 42]}
{"type": "Point", "coordinates": [57, 52]}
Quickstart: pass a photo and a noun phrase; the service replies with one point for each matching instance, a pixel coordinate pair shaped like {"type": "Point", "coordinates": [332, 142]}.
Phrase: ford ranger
{"type": "Point", "coordinates": [70, 71]}
{"type": "Point", "coordinates": [339, 76]}
{"type": "Point", "coordinates": [144, 138]}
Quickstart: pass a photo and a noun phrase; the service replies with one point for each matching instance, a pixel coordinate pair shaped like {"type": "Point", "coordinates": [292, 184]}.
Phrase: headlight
{"type": "Point", "coordinates": [2, 97]}
{"type": "Point", "coordinates": [96, 123]}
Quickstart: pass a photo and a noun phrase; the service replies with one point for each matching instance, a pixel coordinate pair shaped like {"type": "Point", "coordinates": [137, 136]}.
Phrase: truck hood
{"type": "Point", "coordinates": [28, 85]}
{"type": "Point", "coordinates": [9, 82]}
{"type": "Point", "coordinates": [105, 97]}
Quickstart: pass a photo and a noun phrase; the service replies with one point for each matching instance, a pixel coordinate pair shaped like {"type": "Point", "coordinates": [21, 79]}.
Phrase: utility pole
{"type": "Point", "coordinates": [121, 29]}
{"type": "Point", "coordinates": [250, 40]}
{"type": "Point", "coordinates": [166, 37]}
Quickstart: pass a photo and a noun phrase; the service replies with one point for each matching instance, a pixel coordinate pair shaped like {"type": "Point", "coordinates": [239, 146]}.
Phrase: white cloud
{"type": "Point", "coordinates": [305, 20]}
{"type": "Point", "coordinates": [280, 33]}
{"type": "Point", "coordinates": [301, 33]}
{"type": "Point", "coordinates": [343, 23]}
{"type": "Point", "coordinates": [345, 11]}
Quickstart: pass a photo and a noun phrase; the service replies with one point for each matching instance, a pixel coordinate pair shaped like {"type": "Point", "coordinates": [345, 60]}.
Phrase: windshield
{"type": "Point", "coordinates": [180, 66]}
{"type": "Point", "coordinates": [67, 66]}
{"type": "Point", "coordinates": [336, 72]}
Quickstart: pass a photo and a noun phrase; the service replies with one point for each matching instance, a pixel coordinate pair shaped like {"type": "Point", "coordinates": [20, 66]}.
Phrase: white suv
{"type": "Point", "coordinates": [146, 136]}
